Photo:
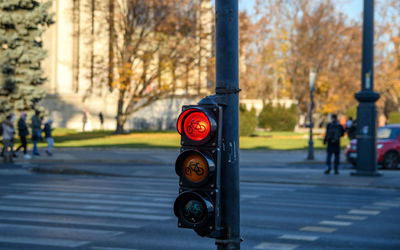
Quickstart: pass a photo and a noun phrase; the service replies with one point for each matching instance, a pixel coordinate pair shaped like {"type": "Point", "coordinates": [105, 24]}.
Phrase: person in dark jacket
{"type": "Point", "coordinates": [332, 137]}
{"type": "Point", "coordinates": [49, 138]}
{"type": "Point", "coordinates": [36, 131]}
{"type": "Point", "coordinates": [23, 132]}
{"type": "Point", "coordinates": [8, 138]}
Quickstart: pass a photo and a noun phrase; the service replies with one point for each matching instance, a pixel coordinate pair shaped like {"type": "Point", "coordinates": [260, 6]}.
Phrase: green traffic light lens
{"type": "Point", "coordinates": [194, 211]}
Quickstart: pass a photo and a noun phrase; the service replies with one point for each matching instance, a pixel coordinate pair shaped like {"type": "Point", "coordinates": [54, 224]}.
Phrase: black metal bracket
{"type": "Point", "coordinates": [215, 99]}
{"type": "Point", "coordinates": [223, 91]}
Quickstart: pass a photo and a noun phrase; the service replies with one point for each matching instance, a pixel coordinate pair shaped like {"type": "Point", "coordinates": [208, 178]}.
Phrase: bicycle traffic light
{"type": "Point", "coordinates": [198, 167]}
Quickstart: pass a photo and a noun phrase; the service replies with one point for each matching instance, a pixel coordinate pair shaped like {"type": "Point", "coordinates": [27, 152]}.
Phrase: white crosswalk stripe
{"type": "Point", "coordinates": [69, 215]}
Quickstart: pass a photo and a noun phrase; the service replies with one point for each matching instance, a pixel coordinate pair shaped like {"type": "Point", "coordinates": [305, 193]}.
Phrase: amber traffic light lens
{"type": "Point", "coordinates": [195, 167]}
{"type": "Point", "coordinates": [196, 126]}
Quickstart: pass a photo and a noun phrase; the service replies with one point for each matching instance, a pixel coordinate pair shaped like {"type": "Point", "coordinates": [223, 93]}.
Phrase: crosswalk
{"type": "Point", "coordinates": [111, 213]}
{"type": "Point", "coordinates": [80, 213]}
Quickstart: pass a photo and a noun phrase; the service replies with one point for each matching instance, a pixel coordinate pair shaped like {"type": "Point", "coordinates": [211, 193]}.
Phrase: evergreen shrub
{"type": "Point", "coordinates": [247, 121]}
{"type": "Point", "coordinates": [278, 118]}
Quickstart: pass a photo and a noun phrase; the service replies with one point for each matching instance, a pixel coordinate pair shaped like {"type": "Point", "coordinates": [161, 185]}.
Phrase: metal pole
{"type": "Point", "coordinates": [313, 76]}
{"type": "Point", "coordinates": [310, 155]}
{"type": "Point", "coordinates": [366, 111]}
{"type": "Point", "coordinates": [227, 85]}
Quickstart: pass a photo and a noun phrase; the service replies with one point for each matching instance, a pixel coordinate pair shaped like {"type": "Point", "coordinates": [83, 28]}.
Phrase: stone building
{"type": "Point", "coordinates": [67, 67]}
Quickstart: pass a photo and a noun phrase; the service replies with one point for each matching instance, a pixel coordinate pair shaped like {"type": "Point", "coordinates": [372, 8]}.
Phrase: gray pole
{"type": "Point", "coordinates": [310, 155]}
{"type": "Point", "coordinates": [366, 111]}
{"type": "Point", "coordinates": [227, 85]}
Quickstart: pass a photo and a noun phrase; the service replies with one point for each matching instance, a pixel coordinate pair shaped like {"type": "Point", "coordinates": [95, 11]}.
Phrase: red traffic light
{"type": "Point", "coordinates": [197, 124]}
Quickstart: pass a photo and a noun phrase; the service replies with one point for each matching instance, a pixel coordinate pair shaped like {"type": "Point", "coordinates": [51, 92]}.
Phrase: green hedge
{"type": "Point", "coordinates": [278, 118]}
{"type": "Point", "coordinates": [394, 118]}
{"type": "Point", "coordinates": [247, 121]}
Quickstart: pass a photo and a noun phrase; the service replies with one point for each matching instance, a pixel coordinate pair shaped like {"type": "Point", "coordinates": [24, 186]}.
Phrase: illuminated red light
{"type": "Point", "coordinates": [179, 122]}
{"type": "Point", "coordinates": [196, 126]}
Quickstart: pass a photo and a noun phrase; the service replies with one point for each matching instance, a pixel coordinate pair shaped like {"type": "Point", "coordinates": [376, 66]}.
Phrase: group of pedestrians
{"type": "Point", "coordinates": [8, 133]}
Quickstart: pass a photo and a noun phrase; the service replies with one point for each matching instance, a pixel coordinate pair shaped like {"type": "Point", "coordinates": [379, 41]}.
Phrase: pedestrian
{"type": "Point", "coordinates": [332, 137]}
{"type": "Point", "coordinates": [49, 139]}
{"type": "Point", "coordinates": [84, 120]}
{"type": "Point", "coordinates": [349, 122]}
{"type": "Point", "coordinates": [351, 132]}
{"type": "Point", "coordinates": [101, 118]}
{"type": "Point", "coordinates": [36, 132]}
{"type": "Point", "coordinates": [8, 138]}
{"type": "Point", "coordinates": [23, 132]}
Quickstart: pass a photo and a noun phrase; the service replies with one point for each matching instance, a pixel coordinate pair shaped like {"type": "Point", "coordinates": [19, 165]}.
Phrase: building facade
{"type": "Point", "coordinates": [77, 70]}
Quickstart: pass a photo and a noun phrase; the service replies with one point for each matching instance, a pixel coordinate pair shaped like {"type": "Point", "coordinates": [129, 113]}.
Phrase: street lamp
{"type": "Point", "coordinates": [313, 76]}
{"type": "Point", "coordinates": [366, 111]}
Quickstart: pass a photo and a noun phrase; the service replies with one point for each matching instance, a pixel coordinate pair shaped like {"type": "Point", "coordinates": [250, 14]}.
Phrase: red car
{"type": "Point", "coordinates": [388, 147]}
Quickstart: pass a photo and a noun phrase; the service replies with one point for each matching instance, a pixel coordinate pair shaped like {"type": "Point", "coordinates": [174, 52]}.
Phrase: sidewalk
{"type": "Point", "coordinates": [290, 167]}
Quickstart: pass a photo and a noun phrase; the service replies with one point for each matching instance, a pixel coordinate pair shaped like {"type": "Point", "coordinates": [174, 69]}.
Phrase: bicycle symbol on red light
{"type": "Point", "coordinates": [196, 125]}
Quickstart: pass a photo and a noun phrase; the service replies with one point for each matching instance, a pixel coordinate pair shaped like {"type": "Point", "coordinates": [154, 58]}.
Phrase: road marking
{"type": "Point", "coordinates": [350, 217]}
{"type": "Point", "coordinates": [98, 196]}
{"type": "Point", "coordinates": [365, 212]}
{"type": "Point", "coordinates": [387, 204]}
{"type": "Point", "coordinates": [318, 229]}
{"type": "Point", "coordinates": [43, 241]}
{"type": "Point", "coordinates": [95, 188]}
{"type": "Point", "coordinates": [82, 213]}
{"type": "Point", "coordinates": [372, 207]}
{"type": "Point", "coordinates": [63, 230]}
{"type": "Point", "coordinates": [335, 223]}
{"type": "Point", "coordinates": [71, 221]}
{"type": "Point", "coordinates": [112, 248]}
{"type": "Point", "coordinates": [111, 202]}
{"type": "Point", "coordinates": [298, 237]}
{"type": "Point", "coordinates": [275, 246]}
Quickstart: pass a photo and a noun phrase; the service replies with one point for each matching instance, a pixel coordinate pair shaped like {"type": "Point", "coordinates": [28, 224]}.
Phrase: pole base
{"type": "Point", "coordinates": [366, 173]}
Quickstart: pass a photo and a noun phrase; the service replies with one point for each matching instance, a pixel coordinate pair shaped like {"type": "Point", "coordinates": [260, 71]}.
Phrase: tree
{"type": "Point", "coordinates": [387, 56]}
{"type": "Point", "coordinates": [154, 48]}
{"type": "Point", "coordinates": [21, 26]}
{"type": "Point", "coordinates": [291, 38]}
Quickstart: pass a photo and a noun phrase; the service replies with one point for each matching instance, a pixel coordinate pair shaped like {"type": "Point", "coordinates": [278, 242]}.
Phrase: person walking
{"type": "Point", "coordinates": [332, 137]}
{"type": "Point", "coordinates": [49, 139]}
{"type": "Point", "coordinates": [36, 132]}
{"type": "Point", "coordinates": [101, 118]}
{"type": "Point", "coordinates": [84, 120]}
{"type": "Point", "coordinates": [23, 132]}
{"type": "Point", "coordinates": [8, 138]}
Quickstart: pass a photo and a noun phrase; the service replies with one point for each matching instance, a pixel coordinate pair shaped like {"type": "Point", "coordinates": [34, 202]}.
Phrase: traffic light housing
{"type": "Point", "coordinates": [198, 167]}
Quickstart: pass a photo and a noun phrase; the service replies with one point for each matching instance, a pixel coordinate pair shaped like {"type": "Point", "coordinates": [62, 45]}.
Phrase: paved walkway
{"type": "Point", "coordinates": [256, 165]}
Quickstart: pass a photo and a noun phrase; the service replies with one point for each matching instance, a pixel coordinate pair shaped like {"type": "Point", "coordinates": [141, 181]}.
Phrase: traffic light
{"type": "Point", "coordinates": [198, 167]}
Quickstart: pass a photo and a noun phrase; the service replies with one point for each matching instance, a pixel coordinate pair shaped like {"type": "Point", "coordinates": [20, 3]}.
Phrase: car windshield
{"type": "Point", "coordinates": [388, 133]}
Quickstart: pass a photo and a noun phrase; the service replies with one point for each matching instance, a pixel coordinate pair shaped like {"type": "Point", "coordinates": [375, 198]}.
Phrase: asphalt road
{"type": "Point", "coordinates": [51, 211]}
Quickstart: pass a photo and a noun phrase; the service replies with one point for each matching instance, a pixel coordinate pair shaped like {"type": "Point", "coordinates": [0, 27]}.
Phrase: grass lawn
{"type": "Point", "coordinates": [171, 139]}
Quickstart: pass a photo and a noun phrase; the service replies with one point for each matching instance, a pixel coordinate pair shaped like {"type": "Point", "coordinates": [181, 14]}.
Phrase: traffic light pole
{"type": "Point", "coordinates": [366, 111]}
{"type": "Point", "coordinates": [227, 86]}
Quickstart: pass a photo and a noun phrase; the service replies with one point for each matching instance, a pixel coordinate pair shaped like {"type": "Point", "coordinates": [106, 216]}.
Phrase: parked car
{"type": "Point", "coordinates": [388, 147]}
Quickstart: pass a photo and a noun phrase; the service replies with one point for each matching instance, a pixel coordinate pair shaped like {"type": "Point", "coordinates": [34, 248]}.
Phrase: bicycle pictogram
{"type": "Point", "coordinates": [194, 167]}
{"type": "Point", "coordinates": [196, 125]}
